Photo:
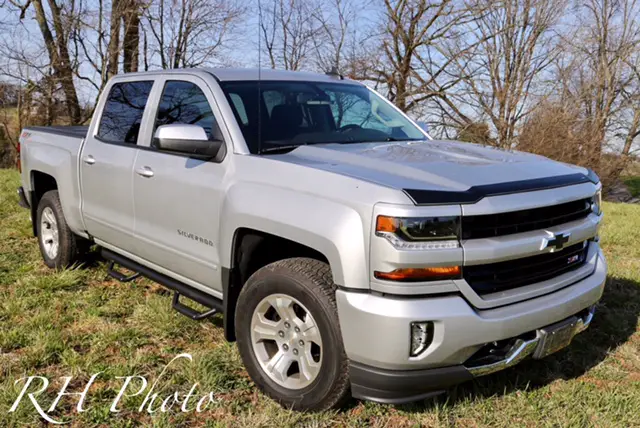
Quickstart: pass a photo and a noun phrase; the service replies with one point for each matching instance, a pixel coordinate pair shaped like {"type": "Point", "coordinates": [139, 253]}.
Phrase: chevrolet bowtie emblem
{"type": "Point", "coordinates": [558, 241]}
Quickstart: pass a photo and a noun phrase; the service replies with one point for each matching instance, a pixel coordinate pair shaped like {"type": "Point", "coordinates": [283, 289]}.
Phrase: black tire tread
{"type": "Point", "coordinates": [69, 249]}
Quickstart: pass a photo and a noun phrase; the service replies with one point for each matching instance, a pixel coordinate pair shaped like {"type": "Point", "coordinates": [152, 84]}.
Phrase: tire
{"type": "Point", "coordinates": [54, 231]}
{"type": "Point", "coordinates": [309, 283]}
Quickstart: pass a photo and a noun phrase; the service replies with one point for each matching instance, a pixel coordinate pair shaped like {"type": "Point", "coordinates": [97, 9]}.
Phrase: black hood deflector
{"type": "Point", "coordinates": [476, 193]}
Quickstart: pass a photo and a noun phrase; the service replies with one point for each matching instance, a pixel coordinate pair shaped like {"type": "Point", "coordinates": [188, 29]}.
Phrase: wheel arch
{"type": "Point", "coordinates": [306, 225]}
{"type": "Point", "coordinates": [41, 183]}
{"type": "Point", "coordinates": [253, 249]}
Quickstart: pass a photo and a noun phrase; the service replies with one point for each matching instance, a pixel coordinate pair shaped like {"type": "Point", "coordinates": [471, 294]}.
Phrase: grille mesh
{"type": "Point", "coordinates": [501, 276]}
{"type": "Point", "coordinates": [485, 226]}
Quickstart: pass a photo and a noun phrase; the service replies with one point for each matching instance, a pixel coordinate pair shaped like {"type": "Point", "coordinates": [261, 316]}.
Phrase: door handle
{"type": "Point", "coordinates": [145, 171]}
{"type": "Point", "coordinates": [89, 160]}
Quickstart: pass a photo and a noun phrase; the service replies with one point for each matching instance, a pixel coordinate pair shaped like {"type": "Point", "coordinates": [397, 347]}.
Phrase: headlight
{"type": "Point", "coordinates": [596, 203]}
{"type": "Point", "coordinates": [419, 233]}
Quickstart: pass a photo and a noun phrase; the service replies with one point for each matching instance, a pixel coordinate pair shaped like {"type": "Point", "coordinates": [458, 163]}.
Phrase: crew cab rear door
{"type": "Point", "coordinates": [177, 198]}
{"type": "Point", "coordinates": [107, 158]}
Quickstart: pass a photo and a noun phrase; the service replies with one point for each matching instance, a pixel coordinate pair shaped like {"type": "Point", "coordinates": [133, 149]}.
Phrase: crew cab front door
{"type": "Point", "coordinates": [176, 197]}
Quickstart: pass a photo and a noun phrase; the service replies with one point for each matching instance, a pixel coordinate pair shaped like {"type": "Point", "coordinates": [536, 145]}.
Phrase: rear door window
{"type": "Point", "coordinates": [122, 114]}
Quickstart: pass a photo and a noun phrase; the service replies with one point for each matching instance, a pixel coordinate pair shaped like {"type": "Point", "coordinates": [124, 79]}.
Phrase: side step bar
{"type": "Point", "coordinates": [112, 272]}
{"type": "Point", "coordinates": [190, 312]}
{"type": "Point", "coordinates": [179, 288]}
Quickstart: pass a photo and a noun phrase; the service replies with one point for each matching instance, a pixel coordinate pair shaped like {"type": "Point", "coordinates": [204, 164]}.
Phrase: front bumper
{"type": "Point", "coordinates": [376, 330]}
{"type": "Point", "coordinates": [401, 386]}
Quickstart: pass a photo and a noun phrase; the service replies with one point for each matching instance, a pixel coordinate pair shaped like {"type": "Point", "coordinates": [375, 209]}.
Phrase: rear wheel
{"type": "Point", "coordinates": [289, 336]}
{"type": "Point", "coordinates": [59, 246]}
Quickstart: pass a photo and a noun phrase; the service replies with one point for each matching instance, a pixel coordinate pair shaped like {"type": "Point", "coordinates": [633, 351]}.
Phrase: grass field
{"type": "Point", "coordinates": [79, 322]}
{"type": "Point", "coordinates": [633, 183]}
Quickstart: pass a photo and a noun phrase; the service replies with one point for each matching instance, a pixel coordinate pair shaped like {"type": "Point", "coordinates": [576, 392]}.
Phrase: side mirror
{"type": "Point", "coordinates": [423, 126]}
{"type": "Point", "coordinates": [186, 139]}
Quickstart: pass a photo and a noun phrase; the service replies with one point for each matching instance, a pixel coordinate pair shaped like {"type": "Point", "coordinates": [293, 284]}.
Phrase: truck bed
{"type": "Point", "coordinates": [66, 131]}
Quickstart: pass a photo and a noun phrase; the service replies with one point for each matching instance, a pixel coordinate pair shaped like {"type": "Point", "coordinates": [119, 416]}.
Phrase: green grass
{"type": "Point", "coordinates": [79, 322]}
{"type": "Point", "coordinates": [633, 183]}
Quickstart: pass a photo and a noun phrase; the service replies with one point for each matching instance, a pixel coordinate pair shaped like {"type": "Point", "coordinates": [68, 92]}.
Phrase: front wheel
{"type": "Point", "coordinates": [289, 336]}
{"type": "Point", "coordinates": [59, 246]}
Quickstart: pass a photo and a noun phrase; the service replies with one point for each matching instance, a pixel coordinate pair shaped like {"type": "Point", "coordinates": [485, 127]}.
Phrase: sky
{"type": "Point", "coordinates": [243, 49]}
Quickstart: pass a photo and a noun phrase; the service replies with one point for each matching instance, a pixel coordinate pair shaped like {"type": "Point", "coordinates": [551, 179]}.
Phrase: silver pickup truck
{"type": "Point", "coordinates": [349, 253]}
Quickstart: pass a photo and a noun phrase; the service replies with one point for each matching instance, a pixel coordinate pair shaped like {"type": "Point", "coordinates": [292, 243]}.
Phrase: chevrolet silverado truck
{"type": "Point", "coordinates": [348, 251]}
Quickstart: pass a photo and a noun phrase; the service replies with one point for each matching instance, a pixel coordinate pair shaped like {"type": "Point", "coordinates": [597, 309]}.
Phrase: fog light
{"type": "Point", "coordinates": [421, 337]}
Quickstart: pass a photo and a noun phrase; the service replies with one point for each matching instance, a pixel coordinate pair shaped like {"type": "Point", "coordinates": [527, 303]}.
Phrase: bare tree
{"type": "Point", "coordinates": [189, 33]}
{"type": "Point", "coordinates": [95, 43]}
{"type": "Point", "coordinates": [335, 25]}
{"type": "Point", "coordinates": [26, 102]}
{"type": "Point", "coordinates": [131, 41]}
{"type": "Point", "coordinates": [125, 18]}
{"type": "Point", "coordinates": [288, 32]}
{"type": "Point", "coordinates": [113, 49]}
{"type": "Point", "coordinates": [413, 65]}
{"type": "Point", "coordinates": [10, 98]}
{"type": "Point", "coordinates": [55, 30]}
{"type": "Point", "coordinates": [602, 72]}
{"type": "Point", "coordinates": [92, 45]}
{"type": "Point", "coordinates": [513, 45]}
{"type": "Point", "coordinates": [631, 97]}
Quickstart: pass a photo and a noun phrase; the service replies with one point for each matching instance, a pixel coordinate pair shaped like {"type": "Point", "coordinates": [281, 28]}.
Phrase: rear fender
{"type": "Point", "coordinates": [62, 166]}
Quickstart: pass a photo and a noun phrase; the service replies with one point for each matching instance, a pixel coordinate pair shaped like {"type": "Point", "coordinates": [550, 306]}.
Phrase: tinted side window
{"type": "Point", "coordinates": [123, 111]}
{"type": "Point", "coordinates": [184, 102]}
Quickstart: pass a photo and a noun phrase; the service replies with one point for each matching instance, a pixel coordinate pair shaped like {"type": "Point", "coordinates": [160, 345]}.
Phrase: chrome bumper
{"type": "Point", "coordinates": [522, 348]}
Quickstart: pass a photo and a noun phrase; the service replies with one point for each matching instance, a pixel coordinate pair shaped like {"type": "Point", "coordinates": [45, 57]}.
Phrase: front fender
{"type": "Point", "coordinates": [329, 227]}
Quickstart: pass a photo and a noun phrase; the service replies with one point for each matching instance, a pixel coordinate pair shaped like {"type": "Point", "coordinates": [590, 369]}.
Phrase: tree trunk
{"type": "Point", "coordinates": [59, 56]}
{"type": "Point", "coordinates": [113, 49]}
{"type": "Point", "coordinates": [634, 131]}
{"type": "Point", "coordinates": [131, 40]}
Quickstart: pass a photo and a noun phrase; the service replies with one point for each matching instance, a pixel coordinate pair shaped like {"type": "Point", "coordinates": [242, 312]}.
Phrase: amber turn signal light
{"type": "Point", "coordinates": [420, 274]}
{"type": "Point", "coordinates": [386, 224]}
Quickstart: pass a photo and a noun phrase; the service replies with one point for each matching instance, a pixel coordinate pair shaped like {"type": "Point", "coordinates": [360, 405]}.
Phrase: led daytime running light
{"type": "Point", "coordinates": [401, 244]}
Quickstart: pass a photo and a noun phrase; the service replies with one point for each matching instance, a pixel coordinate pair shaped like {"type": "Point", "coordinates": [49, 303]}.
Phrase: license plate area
{"type": "Point", "coordinates": [554, 337]}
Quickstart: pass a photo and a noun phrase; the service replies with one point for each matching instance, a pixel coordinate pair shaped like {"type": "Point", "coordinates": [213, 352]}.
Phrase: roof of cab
{"type": "Point", "coordinates": [231, 74]}
{"type": "Point", "coordinates": [243, 74]}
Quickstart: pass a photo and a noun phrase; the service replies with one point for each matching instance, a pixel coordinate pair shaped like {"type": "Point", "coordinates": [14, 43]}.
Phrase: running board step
{"type": "Point", "coordinates": [190, 312]}
{"type": "Point", "coordinates": [179, 288]}
{"type": "Point", "coordinates": [112, 272]}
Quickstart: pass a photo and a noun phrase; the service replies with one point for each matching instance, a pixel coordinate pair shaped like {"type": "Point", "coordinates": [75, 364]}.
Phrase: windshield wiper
{"type": "Point", "coordinates": [404, 139]}
{"type": "Point", "coordinates": [390, 139]}
{"type": "Point", "coordinates": [280, 148]}
{"type": "Point", "coordinates": [288, 147]}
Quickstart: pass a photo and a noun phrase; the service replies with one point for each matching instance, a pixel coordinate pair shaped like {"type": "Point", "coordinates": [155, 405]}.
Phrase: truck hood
{"type": "Point", "coordinates": [428, 165]}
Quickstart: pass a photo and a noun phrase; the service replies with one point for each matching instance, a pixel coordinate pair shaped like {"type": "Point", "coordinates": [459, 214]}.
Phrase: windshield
{"type": "Point", "coordinates": [289, 114]}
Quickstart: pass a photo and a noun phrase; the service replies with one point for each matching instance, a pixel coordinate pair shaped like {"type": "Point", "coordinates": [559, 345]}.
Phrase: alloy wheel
{"type": "Point", "coordinates": [286, 341]}
{"type": "Point", "coordinates": [49, 233]}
